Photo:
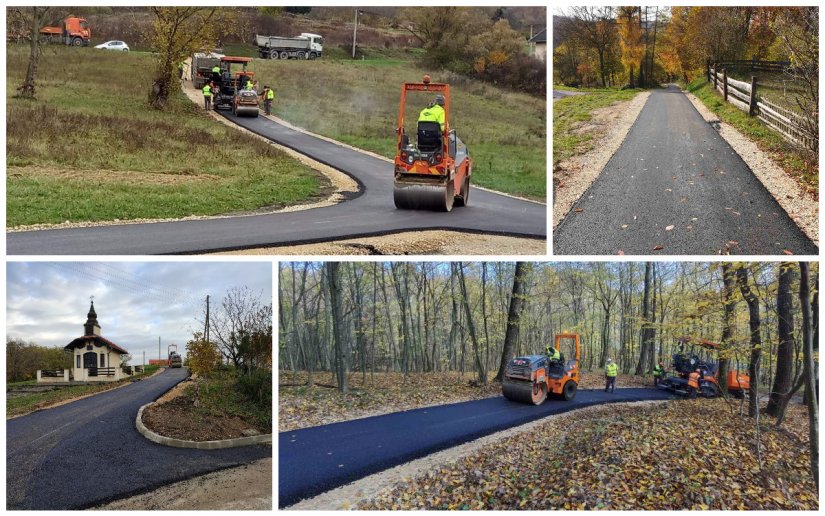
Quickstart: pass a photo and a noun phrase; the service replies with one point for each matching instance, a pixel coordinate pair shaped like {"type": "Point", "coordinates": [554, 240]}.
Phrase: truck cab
{"type": "Point", "coordinates": [316, 42]}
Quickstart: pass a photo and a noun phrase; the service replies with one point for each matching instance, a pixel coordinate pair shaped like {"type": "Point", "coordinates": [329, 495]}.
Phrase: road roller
{"type": "Point", "coordinates": [230, 92]}
{"type": "Point", "coordinates": [531, 378]}
{"type": "Point", "coordinates": [433, 171]}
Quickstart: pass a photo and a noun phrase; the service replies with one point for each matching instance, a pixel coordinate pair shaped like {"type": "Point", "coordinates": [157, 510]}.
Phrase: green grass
{"type": "Point", "coordinates": [91, 149]}
{"type": "Point", "coordinates": [357, 102]}
{"type": "Point", "coordinates": [799, 164]}
{"type": "Point", "coordinates": [220, 396]}
{"type": "Point", "coordinates": [28, 402]}
{"type": "Point", "coordinates": [569, 112]}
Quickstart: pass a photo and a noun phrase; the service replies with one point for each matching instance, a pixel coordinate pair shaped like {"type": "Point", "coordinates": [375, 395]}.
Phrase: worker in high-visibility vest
{"type": "Point", "coordinates": [611, 370]}
{"type": "Point", "coordinates": [693, 383]}
{"type": "Point", "coordinates": [434, 112]}
{"type": "Point", "coordinates": [269, 96]}
{"type": "Point", "coordinates": [207, 96]}
{"type": "Point", "coordinates": [658, 374]}
{"type": "Point", "coordinates": [216, 74]}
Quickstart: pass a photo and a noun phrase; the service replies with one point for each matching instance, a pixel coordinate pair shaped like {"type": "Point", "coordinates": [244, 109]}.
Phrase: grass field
{"type": "Point", "coordinates": [570, 111]}
{"type": "Point", "coordinates": [91, 149]}
{"type": "Point", "coordinates": [23, 404]}
{"type": "Point", "coordinates": [799, 164]}
{"type": "Point", "coordinates": [357, 102]}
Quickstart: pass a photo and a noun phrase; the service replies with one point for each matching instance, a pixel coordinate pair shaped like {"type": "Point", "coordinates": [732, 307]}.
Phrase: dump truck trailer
{"type": "Point", "coordinates": [200, 72]}
{"type": "Point", "coordinates": [305, 46]}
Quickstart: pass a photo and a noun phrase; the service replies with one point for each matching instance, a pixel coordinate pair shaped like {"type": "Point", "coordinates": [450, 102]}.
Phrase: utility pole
{"type": "Point", "coordinates": [144, 358]}
{"type": "Point", "coordinates": [159, 348]}
{"type": "Point", "coordinates": [206, 323]}
{"type": "Point", "coordinates": [354, 32]}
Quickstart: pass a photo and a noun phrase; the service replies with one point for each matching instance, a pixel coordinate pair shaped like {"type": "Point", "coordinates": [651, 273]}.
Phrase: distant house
{"type": "Point", "coordinates": [95, 358]}
{"type": "Point", "coordinates": [538, 44]}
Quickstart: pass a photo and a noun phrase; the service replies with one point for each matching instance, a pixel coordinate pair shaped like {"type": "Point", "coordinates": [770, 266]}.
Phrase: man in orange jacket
{"type": "Point", "coordinates": [693, 383]}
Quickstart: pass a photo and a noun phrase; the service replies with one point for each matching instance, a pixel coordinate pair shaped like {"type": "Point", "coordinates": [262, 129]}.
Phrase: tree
{"type": "Point", "coordinates": [443, 31]}
{"type": "Point", "coordinates": [810, 371]}
{"type": "Point", "coordinates": [784, 355]}
{"type": "Point", "coordinates": [340, 341]}
{"type": "Point", "coordinates": [597, 28]}
{"type": "Point", "coordinates": [34, 18]}
{"type": "Point", "coordinates": [175, 34]}
{"type": "Point", "coordinates": [754, 323]}
{"type": "Point", "coordinates": [202, 358]}
{"type": "Point", "coordinates": [517, 305]}
{"type": "Point", "coordinates": [729, 310]}
{"type": "Point", "coordinates": [647, 335]}
{"type": "Point", "coordinates": [240, 319]}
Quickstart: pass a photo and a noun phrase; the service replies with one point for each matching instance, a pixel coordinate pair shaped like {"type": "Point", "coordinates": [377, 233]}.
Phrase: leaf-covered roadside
{"type": "Point", "coordinates": [676, 455]}
{"type": "Point", "coordinates": [300, 406]}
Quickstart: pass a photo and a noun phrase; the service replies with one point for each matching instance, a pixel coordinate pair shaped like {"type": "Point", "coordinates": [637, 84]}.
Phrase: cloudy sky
{"type": "Point", "coordinates": [136, 302]}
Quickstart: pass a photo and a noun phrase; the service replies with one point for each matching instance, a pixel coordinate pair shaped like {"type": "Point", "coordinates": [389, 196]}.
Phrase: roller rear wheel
{"type": "Point", "coordinates": [569, 390]}
{"type": "Point", "coordinates": [463, 197]}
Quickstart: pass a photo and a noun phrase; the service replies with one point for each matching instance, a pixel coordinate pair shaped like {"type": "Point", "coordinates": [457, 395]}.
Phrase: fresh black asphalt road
{"type": "Point", "coordinates": [317, 459]}
{"type": "Point", "coordinates": [88, 452]}
{"type": "Point", "coordinates": [371, 213]}
{"type": "Point", "coordinates": [673, 169]}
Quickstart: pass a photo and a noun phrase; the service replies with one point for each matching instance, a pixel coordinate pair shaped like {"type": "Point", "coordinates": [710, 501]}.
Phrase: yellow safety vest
{"type": "Point", "coordinates": [555, 355]}
{"type": "Point", "coordinates": [270, 95]}
{"type": "Point", "coordinates": [611, 369]}
{"type": "Point", "coordinates": [657, 371]}
{"type": "Point", "coordinates": [207, 91]}
{"type": "Point", "coordinates": [216, 69]}
{"type": "Point", "coordinates": [433, 114]}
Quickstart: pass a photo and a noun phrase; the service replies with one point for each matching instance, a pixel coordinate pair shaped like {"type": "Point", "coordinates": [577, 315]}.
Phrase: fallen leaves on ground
{"type": "Point", "coordinates": [300, 406]}
{"type": "Point", "coordinates": [686, 454]}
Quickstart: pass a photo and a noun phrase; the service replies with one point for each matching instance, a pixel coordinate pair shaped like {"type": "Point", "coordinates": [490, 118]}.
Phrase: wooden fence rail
{"type": "Point", "coordinates": [789, 124]}
{"type": "Point", "coordinates": [754, 65]}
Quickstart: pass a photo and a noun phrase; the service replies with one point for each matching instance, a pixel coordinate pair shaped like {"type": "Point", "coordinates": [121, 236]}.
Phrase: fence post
{"type": "Point", "coordinates": [38, 376]}
{"type": "Point", "coordinates": [715, 76]}
{"type": "Point", "coordinates": [707, 68]}
{"type": "Point", "coordinates": [725, 83]}
{"type": "Point", "coordinates": [752, 103]}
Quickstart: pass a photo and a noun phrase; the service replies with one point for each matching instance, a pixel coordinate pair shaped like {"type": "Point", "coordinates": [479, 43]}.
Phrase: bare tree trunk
{"type": "Point", "coordinates": [482, 373]}
{"type": "Point", "coordinates": [784, 354]}
{"type": "Point", "coordinates": [341, 353]}
{"type": "Point", "coordinates": [729, 301]}
{"type": "Point", "coordinates": [756, 338]}
{"type": "Point", "coordinates": [645, 347]}
{"type": "Point", "coordinates": [810, 380]}
{"type": "Point", "coordinates": [38, 15]}
{"type": "Point", "coordinates": [517, 304]}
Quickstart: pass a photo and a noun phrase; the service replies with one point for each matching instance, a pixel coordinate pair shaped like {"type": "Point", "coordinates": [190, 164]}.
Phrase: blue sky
{"type": "Point", "coordinates": [136, 302]}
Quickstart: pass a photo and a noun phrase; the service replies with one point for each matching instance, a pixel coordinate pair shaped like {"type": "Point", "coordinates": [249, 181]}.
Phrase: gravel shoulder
{"type": "Point", "coordinates": [572, 177]}
{"type": "Point", "coordinates": [414, 242]}
{"type": "Point", "coordinates": [800, 206]}
{"type": "Point", "coordinates": [247, 487]}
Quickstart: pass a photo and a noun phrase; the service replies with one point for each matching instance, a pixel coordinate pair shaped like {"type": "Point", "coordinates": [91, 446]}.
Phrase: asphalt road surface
{"type": "Point", "coordinates": [88, 452]}
{"type": "Point", "coordinates": [673, 169]}
{"type": "Point", "coordinates": [371, 213]}
{"type": "Point", "coordinates": [314, 460]}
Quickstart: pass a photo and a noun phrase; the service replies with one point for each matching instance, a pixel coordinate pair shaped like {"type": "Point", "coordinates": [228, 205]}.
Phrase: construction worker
{"type": "Point", "coordinates": [180, 69]}
{"type": "Point", "coordinates": [693, 383]}
{"type": "Point", "coordinates": [216, 74]}
{"type": "Point", "coordinates": [658, 374]}
{"type": "Point", "coordinates": [207, 96]}
{"type": "Point", "coordinates": [269, 96]}
{"type": "Point", "coordinates": [249, 85]}
{"type": "Point", "coordinates": [434, 112]}
{"type": "Point", "coordinates": [553, 354]}
{"type": "Point", "coordinates": [611, 370]}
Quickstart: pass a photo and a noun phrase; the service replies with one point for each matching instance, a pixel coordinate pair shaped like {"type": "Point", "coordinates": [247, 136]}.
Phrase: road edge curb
{"type": "Point", "coordinates": [200, 445]}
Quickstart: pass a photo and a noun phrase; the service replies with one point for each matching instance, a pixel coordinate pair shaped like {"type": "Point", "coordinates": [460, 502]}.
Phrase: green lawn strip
{"type": "Point", "coordinates": [799, 164]}
{"type": "Point", "coordinates": [92, 118]}
{"type": "Point", "coordinates": [505, 132]}
{"type": "Point", "coordinates": [572, 111]}
{"type": "Point", "coordinates": [220, 395]}
{"type": "Point", "coordinates": [16, 405]}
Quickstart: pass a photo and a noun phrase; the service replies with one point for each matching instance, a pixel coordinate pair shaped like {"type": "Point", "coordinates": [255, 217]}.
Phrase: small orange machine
{"type": "Point", "coordinates": [530, 378]}
{"type": "Point", "coordinates": [684, 363]}
{"type": "Point", "coordinates": [231, 93]}
{"type": "Point", "coordinates": [432, 173]}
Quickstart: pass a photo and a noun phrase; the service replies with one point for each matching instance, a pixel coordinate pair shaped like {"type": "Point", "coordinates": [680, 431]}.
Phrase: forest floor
{"type": "Point", "coordinates": [300, 406]}
{"type": "Point", "coordinates": [625, 457]}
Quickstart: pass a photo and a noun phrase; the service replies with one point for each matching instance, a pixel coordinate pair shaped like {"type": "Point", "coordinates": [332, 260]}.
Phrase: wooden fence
{"type": "Point", "coordinates": [754, 65]}
{"type": "Point", "coordinates": [789, 124]}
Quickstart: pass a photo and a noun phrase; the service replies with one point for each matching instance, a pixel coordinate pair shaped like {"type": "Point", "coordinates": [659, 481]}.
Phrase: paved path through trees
{"type": "Point", "coordinates": [676, 183]}
{"type": "Point", "coordinates": [88, 452]}
{"type": "Point", "coordinates": [317, 459]}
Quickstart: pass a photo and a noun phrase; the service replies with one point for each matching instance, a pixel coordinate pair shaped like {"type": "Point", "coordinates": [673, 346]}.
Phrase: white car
{"type": "Point", "coordinates": [114, 45]}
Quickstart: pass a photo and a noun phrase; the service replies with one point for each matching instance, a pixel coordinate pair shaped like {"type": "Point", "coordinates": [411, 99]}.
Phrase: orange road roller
{"type": "Point", "coordinates": [530, 378]}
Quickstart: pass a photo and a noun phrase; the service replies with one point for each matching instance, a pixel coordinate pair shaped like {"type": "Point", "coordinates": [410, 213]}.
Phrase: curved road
{"type": "Point", "coordinates": [673, 169]}
{"type": "Point", "coordinates": [88, 452]}
{"type": "Point", "coordinates": [314, 460]}
{"type": "Point", "coordinates": [371, 213]}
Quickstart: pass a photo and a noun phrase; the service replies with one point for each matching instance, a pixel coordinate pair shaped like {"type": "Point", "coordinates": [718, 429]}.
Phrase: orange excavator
{"type": "Point", "coordinates": [530, 378]}
{"type": "Point", "coordinates": [685, 362]}
{"type": "Point", "coordinates": [432, 173]}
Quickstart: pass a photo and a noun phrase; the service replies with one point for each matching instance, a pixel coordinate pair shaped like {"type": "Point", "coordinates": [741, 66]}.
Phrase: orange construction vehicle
{"type": "Point", "coordinates": [529, 379]}
{"type": "Point", "coordinates": [71, 30]}
{"type": "Point", "coordinates": [231, 93]}
{"type": "Point", "coordinates": [685, 363]}
{"type": "Point", "coordinates": [432, 173]}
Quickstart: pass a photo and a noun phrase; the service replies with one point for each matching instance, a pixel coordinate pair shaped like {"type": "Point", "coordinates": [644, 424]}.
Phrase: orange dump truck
{"type": "Point", "coordinates": [71, 30]}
